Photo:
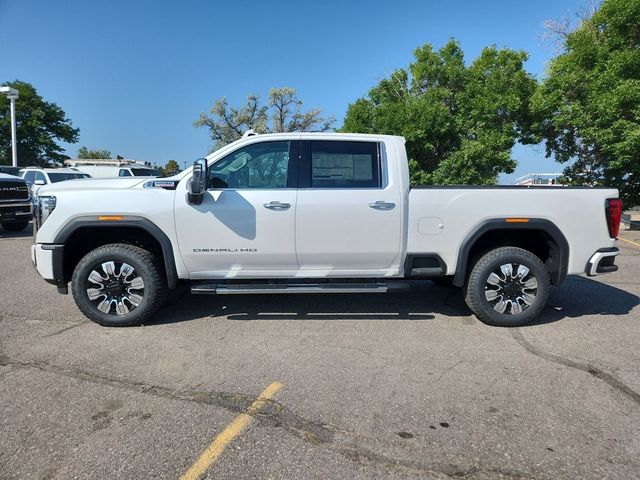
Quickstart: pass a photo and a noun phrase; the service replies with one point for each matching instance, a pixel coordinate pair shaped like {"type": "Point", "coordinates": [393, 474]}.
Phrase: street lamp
{"type": "Point", "coordinates": [12, 94]}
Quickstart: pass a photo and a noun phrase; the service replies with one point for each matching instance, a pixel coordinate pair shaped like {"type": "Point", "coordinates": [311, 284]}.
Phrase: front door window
{"type": "Point", "coordinates": [258, 166]}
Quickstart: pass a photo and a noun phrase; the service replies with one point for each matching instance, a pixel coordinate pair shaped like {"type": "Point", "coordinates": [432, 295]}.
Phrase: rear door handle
{"type": "Point", "coordinates": [277, 206]}
{"type": "Point", "coordinates": [382, 205]}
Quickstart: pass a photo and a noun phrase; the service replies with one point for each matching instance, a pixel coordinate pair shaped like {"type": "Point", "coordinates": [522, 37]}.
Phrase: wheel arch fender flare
{"type": "Point", "coordinates": [143, 223]}
{"type": "Point", "coordinates": [532, 224]}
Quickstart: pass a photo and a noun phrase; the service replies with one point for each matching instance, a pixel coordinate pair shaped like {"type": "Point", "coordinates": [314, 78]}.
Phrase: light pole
{"type": "Point", "coordinates": [12, 94]}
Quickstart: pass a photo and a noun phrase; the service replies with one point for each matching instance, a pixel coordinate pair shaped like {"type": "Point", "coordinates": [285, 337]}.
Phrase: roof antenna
{"type": "Point", "coordinates": [249, 133]}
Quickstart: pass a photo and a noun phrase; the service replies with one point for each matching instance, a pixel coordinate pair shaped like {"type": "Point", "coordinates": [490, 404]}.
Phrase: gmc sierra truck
{"type": "Point", "coordinates": [15, 203]}
{"type": "Point", "coordinates": [315, 213]}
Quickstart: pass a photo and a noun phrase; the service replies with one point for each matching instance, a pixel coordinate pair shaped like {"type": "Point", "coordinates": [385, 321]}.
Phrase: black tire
{"type": "Point", "coordinates": [509, 290]}
{"type": "Point", "coordinates": [444, 282]}
{"type": "Point", "coordinates": [15, 226]}
{"type": "Point", "coordinates": [124, 291]}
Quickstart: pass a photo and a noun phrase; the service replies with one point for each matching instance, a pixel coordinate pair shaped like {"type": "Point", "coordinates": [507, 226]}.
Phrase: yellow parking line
{"type": "Point", "coordinates": [235, 428]}
{"type": "Point", "coordinates": [629, 241]}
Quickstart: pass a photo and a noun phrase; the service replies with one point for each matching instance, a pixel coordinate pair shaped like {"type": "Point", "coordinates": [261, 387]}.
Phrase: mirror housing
{"type": "Point", "coordinates": [198, 183]}
{"type": "Point", "coordinates": [39, 182]}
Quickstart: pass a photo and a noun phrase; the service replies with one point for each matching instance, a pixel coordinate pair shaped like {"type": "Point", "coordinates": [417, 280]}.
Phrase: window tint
{"type": "Point", "coordinates": [61, 177]}
{"type": "Point", "coordinates": [143, 172]}
{"type": "Point", "coordinates": [344, 164]}
{"type": "Point", "coordinates": [261, 165]}
{"type": "Point", "coordinates": [15, 171]}
{"type": "Point", "coordinates": [124, 173]}
{"type": "Point", "coordinates": [40, 176]}
{"type": "Point", "coordinates": [30, 176]}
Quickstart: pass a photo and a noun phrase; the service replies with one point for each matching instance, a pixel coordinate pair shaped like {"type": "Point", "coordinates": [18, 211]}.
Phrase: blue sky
{"type": "Point", "coordinates": [134, 75]}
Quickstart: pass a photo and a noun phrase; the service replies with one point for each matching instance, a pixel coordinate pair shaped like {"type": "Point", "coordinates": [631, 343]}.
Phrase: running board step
{"type": "Point", "coordinates": [239, 289]}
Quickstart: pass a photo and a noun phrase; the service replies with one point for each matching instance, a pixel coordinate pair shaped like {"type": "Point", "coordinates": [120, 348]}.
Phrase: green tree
{"type": "Point", "coordinates": [87, 154]}
{"type": "Point", "coordinates": [589, 104]}
{"type": "Point", "coordinates": [460, 122]}
{"type": "Point", "coordinates": [171, 168]}
{"type": "Point", "coordinates": [40, 125]}
{"type": "Point", "coordinates": [282, 113]}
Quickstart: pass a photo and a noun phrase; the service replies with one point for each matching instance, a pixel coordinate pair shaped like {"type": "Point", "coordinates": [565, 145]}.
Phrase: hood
{"type": "Point", "coordinates": [92, 184]}
{"type": "Point", "coordinates": [6, 177]}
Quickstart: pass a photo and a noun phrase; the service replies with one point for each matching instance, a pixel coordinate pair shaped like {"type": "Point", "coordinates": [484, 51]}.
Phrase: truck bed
{"type": "Point", "coordinates": [439, 216]}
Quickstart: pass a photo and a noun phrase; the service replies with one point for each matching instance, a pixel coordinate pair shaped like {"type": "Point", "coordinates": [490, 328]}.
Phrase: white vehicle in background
{"type": "Point", "coordinates": [38, 177]}
{"type": "Point", "coordinates": [110, 168]}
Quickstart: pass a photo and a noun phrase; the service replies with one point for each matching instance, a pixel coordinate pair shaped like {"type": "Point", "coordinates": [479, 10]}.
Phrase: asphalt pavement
{"type": "Point", "coordinates": [406, 385]}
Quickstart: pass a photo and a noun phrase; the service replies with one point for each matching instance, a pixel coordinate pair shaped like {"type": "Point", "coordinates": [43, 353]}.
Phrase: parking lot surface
{"type": "Point", "coordinates": [408, 385]}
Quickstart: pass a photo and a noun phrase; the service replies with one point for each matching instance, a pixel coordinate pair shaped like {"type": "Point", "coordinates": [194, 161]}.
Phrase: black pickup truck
{"type": "Point", "coordinates": [15, 203]}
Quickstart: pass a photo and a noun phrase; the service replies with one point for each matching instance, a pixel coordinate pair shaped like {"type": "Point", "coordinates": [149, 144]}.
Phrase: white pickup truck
{"type": "Point", "coordinates": [315, 213]}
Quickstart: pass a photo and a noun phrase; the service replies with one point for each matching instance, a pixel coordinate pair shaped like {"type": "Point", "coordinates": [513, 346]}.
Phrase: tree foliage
{"type": "Point", "coordinates": [40, 125]}
{"type": "Point", "coordinates": [589, 104]}
{"type": "Point", "coordinates": [282, 113]}
{"type": "Point", "coordinates": [460, 122]}
{"type": "Point", "coordinates": [87, 154]}
{"type": "Point", "coordinates": [171, 168]}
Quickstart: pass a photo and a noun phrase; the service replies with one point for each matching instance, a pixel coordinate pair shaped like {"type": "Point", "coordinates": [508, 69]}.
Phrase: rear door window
{"type": "Point", "coordinates": [143, 172]}
{"type": "Point", "coordinates": [342, 164]}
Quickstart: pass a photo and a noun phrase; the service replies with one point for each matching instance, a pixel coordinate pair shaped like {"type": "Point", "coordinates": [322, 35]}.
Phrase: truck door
{"type": "Point", "coordinates": [245, 226]}
{"type": "Point", "coordinates": [349, 213]}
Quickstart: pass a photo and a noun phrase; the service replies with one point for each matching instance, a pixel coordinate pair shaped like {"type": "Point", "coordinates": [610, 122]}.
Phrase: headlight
{"type": "Point", "coordinates": [42, 208]}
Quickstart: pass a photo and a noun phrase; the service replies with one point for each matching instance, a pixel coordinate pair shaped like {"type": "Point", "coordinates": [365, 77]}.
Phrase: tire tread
{"type": "Point", "coordinates": [474, 287]}
{"type": "Point", "coordinates": [157, 292]}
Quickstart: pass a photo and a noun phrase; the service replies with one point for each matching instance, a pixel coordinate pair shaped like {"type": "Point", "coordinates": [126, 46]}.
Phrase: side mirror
{"type": "Point", "coordinates": [198, 183]}
{"type": "Point", "coordinates": [39, 182]}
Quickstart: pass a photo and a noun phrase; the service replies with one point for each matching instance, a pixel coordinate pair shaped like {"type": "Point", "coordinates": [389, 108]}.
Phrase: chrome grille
{"type": "Point", "coordinates": [13, 191]}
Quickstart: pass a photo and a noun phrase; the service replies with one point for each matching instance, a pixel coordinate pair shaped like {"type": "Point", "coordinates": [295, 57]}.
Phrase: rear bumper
{"type": "Point", "coordinates": [603, 261]}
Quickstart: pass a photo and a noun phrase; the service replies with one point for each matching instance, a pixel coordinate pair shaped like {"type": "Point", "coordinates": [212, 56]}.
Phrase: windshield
{"type": "Point", "coordinates": [61, 177]}
{"type": "Point", "coordinates": [10, 170]}
{"type": "Point", "coordinates": [143, 172]}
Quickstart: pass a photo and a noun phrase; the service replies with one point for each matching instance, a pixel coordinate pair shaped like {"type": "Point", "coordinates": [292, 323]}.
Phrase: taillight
{"type": "Point", "coordinates": [613, 209]}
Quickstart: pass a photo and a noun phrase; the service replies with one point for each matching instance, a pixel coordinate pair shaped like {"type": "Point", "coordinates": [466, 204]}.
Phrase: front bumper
{"type": "Point", "coordinates": [15, 211]}
{"type": "Point", "coordinates": [49, 262]}
{"type": "Point", "coordinates": [602, 261]}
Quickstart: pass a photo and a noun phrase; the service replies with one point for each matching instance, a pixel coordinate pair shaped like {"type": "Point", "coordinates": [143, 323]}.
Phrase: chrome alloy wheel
{"type": "Point", "coordinates": [511, 288]}
{"type": "Point", "coordinates": [115, 293]}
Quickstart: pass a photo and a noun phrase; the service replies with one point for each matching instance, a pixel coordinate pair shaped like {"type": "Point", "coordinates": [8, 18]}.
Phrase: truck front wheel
{"type": "Point", "coordinates": [118, 285]}
{"type": "Point", "coordinates": [508, 287]}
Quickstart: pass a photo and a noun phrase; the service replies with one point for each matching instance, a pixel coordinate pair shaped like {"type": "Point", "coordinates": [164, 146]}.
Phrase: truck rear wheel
{"type": "Point", "coordinates": [15, 226]}
{"type": "Point", "coordinates": [508, 287]}
{"type": "Point", "coordinates": [118, 285]}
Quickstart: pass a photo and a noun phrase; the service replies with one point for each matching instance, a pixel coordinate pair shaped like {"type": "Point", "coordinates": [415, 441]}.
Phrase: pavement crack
{"type": "Point", "coordinates": [65, 329]}
{"type": "Point", "coordinates": [273, 414]}
{"type": "Point", "coordinates": [361, 454]}
{"type": "Point", "coordinates": [449, 369]}
{"type": "Point", "coordinates": [606, 377]}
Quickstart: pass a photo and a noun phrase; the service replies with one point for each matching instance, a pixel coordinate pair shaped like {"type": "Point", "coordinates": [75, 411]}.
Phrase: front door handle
{"type": "Point", "coordinates": [277, 206]}
{"type": "Point", "coordinates": [382, 205]}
